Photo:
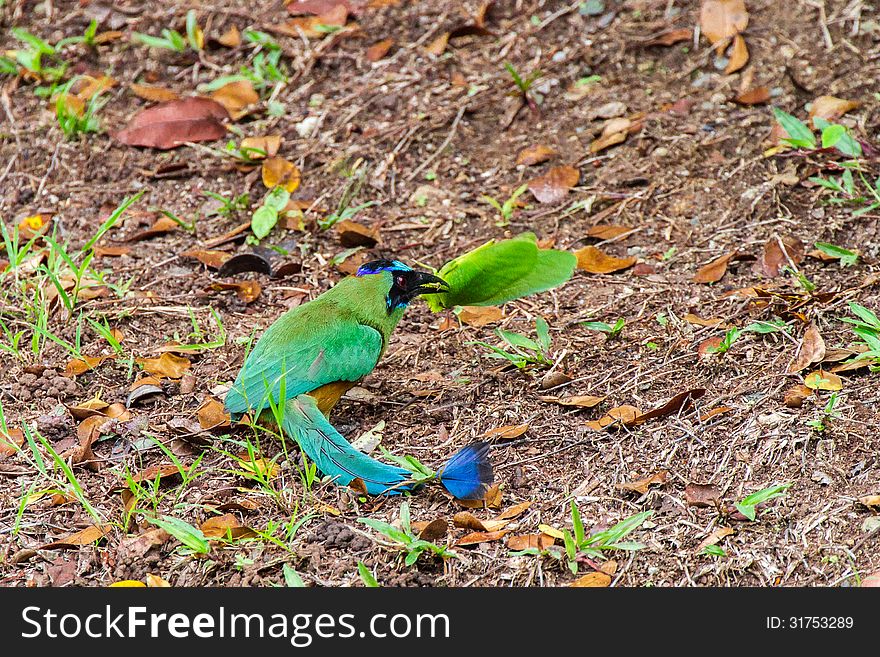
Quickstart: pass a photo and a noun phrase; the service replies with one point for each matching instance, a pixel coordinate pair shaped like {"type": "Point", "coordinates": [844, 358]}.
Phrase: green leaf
{"type": "Point", "coordinates": [748, 510]}
{"type": "Point", "coordinates": [714, 551]}
{"type": "Point", "coordinates": [598, 326]}
{"type": "Point", "coordinates": [577, 524]}
{"type": "Point", "coordinates": [614, 534]}
{"type": "Point", "coordinates": [766, 327]}
{"type": "Point", "coordinates": [191, 537]}
{"type": "Point", "coordinates": [33, 41]}
{"type": "Point", "coordinates": [388, 530]}
{"type": "Point", "coordinates": [748, 506]}
{"type": "Point", "coordinates": [291, 577]}
{"type": "Point", "coordinates": [264, 220]}
{"type": "Point", "coordinates": [367, 577]}
{"type": "Point", "coordinates": [799, 134]}
{"type": "Point", "coordinates": [847, 257]}
{"type": "Point", "coordinates": [518, 340]}
{"type": "Point", "coordinates": [832, 134]}
{"type": "Point", "coordinates": [277, 199]}
{"type": "Point", "coordinates": [542, 329]}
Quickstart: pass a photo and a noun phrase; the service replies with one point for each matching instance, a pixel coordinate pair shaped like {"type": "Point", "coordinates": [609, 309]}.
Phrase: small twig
{"type": "Point", "coordinates": [445, 143]}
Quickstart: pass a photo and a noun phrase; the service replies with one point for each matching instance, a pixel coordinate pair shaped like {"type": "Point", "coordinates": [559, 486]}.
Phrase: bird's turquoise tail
{"type": "Point", "coordinates": [466, 475]}
{"type": "Point", "coordinates": [333, 454]}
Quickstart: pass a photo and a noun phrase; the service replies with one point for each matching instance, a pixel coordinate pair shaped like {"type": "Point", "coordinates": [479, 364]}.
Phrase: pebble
{"type": "Point", "coordinates": [661, 151]}
{"type": "Point", "coordinates": [305, 127]}
{"type": "Point", "coordinates": [610, 110]}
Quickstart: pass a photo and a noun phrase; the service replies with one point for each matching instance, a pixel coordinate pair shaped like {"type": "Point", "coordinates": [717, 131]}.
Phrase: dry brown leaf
{"type": "Point", "coordinates": [608, 231]}
{"type": "Point", "coordinates": [811, 350]}
{"type": "Point", "coordinates": [780, 252]}
{"type": "Point", "coordinates": [248, 291]}
{"type": "Point", "coordinates": [714, 538]}
{"type": "Point", "coordinates": [210, 258]}
{"type": "Point", "coordinates": [708, 348]}
{"type": "Point", "coordinates": [9, 441]}
{"type": "Point", "coordinates": [718, 410]}
{"type": "Point", "coordinates": [492, 499]}
{"type": "Point", "coordinates": [535, 155]}
{"type": "Point", "coordinates": [476, 538]}
{"type": "Point", "coordinates": [795, 396]}
{"type": "Point", "coordinates": [508, 432]}
{"type": "Point", "coordinates": [317, 7]}
{"type": "Point", "coordinates": [162, 225]}
{"type": "Point", "coordinates": [175, 122]}
{"type": "Point", "coordinates": [616, 417]}
{"type": "Point", "coordinates": [278, 171]}
{"type": "Point", "coordinates": [702, 495]}
{"type": "Point", "coordinates": [822, 380]}
{"type": "Point", "coordinates": [156, 582]}
{"type": "Point", "coordinates": [872, 580]}
{"type": "Point", "coordinates": [152, 93]}
{"type": "Point", "coordinates": [258, 148]}
{"type": "Point", "coordinates": [236, 96]}
{"type": "Point", "coordinates": [111, 251]}
{"type": "Point", "coordinates": [526, 541]}
{"type": "Point", "coordinates": [594, 261]}
{"type": "Point", "coordinates": [431, 531]}
{"type": "Point", "coordinates": [211, 414]}
{"type": "Point", "coordinates": [314, 26]}
{"type": "Point", "coordinates": [614, 132]}
{"type": "Point", "coordinates": [78, 366]}
{"type": "Point", "coordinates": [592, 580]}
{"type": "Point", "coordinates": [231, 38]}
{"type": "Point", "coordinates": [352, 233]}
{"type": "Point", "coordinates": [678, 404]}
{"type": "Point", "coordinates": [438, 46]}
{"type": "Point", "coordinates": [754, 96]}
{"type": "Point", "coordinates": [85, 537]}
{"type": "Point", "coordinates": [582, 401]}
{"type": "Point", "coordinates": [739, 55]}
{"type": "Point", "coordinates": [226, 526]}
{"type": "Point", "coordinates": [514, 511]}
{"type": "Point", "coordinates": [480, 315]}
{"type": "Point", "coordinates": [672, 37]}
{"type": "Point", "coordinates": [162, 470]}
{"type": "Point", "coordinates": [265, 468]}
{"type": "Point", "coordinates": [831, 108]}
{"type": "Point", "coordinates": [167, 365]}
{"type": "Point", "coordinates": [467, 520]}
{"type": "Point", "coordinates": [712, 322]}
{"type": "Point", "coordinates": [378, 50]}
{"type": "Point", "coordinates": [554, 185]}
{"type": "Point", "coordinates": [715, 270]}
{"type": "Point", "coordinates": [870, 500]}
{"type": "Point", "coordinates": [722, 19]}
{"type": "Point", "coordinates": [641, 486]}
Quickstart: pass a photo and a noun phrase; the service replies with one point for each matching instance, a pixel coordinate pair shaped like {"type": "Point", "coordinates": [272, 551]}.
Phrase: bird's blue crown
{"type": "Point", "coordinates": [375, 266]}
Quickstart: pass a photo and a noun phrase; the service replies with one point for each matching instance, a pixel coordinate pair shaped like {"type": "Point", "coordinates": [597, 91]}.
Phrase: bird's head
{"type": "Point", "coordinates": [405, 283]}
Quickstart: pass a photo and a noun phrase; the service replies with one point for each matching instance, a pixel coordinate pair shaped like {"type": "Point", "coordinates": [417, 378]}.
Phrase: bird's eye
{"type": "Point", "coordinates": [399, 281]}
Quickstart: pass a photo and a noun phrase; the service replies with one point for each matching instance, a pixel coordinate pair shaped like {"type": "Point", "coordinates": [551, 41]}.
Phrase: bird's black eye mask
{"type": "Point", "coordinates": [406, 283]}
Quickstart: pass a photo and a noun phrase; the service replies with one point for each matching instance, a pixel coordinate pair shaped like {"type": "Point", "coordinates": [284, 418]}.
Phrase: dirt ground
{"type": "Point", "coordinates": [434, 133]}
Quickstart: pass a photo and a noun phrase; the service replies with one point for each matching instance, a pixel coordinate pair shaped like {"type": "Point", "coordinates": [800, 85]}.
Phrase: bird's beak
{"type": "Point", "coordinates": [421, 282]}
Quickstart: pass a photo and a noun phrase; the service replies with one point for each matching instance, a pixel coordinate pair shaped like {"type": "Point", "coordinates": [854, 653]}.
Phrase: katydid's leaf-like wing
{"type": "Point", "coordinates": [485, 272]}
{"type": "Point", "coordinates": [498, 272]}
{"type": "Point", "coordinates": [551, 268]}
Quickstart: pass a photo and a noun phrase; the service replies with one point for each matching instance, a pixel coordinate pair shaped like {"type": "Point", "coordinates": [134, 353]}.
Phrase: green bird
{"type": "Point", "coordinates": [310, 356]}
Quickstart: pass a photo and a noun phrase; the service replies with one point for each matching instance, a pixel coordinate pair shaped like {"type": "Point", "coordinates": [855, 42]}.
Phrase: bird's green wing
{"type": "Point", "coordinates": [300, 352]}
{"type": "Point", "coordinates": [485, 272]}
